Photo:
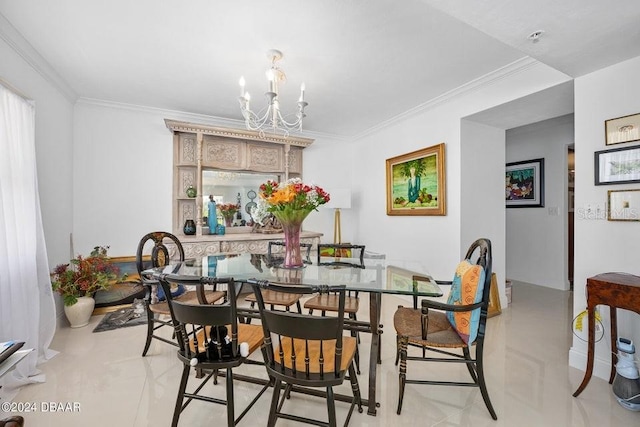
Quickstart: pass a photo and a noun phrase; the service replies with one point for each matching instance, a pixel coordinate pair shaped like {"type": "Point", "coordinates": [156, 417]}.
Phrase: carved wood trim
{"type": "Point", "coordinates": [177, 126]}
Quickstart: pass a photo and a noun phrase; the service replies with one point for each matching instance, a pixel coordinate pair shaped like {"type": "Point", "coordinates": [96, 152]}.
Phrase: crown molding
{"type": "Point", "coordinates": [515, 67]}
{"type": "Point", "coordinates": [22, 47]}
{"type": "Point", "coordinates": [202, 119]}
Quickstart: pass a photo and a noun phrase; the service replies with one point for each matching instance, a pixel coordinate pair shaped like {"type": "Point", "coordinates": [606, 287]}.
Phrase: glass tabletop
{"type": "Point", "coordinates": [375, 275]}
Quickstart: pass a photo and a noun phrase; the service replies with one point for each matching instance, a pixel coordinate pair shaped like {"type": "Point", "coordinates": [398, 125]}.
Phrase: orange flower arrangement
{"type": "Point", "coordinates": [292, 199]}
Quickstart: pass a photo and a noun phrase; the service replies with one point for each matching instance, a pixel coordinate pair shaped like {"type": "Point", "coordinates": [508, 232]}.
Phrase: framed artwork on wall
{"type": "Point", "coordinates": [416, 183]}
{"type": "Point", "coordinates": [617, 166]}
{"type": "Point", "coordinates": [623, 205]}
{"type": "Point", "coordinates": [622, 129]}
{"type": "Point", "coordinates": [524, 184]}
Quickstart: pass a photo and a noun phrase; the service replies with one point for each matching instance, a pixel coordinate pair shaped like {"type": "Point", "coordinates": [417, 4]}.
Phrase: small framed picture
{"type": "Point", "coordinates": [622, 129]}
{"type": "Point", "coordinates": [617, 166]}
{"type": "Point", "coordinates": [623, 205]}
{"type": "Point", "coordinates": [524, 184]}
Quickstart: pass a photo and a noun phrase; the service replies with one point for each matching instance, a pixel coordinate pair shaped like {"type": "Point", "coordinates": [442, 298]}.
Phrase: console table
{"type": "Point", "coordinates": [617, 290]}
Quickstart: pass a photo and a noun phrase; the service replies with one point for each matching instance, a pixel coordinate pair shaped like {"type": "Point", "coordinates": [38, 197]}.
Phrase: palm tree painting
{"type": "Point", "coordinates": [415, 183]}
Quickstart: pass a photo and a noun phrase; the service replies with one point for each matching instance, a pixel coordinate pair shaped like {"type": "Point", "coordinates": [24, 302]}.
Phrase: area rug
{"type": "Point", "coordinates": [122, 318]}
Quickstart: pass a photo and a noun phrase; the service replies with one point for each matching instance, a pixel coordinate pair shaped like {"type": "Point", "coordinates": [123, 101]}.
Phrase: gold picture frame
{"type": "Point", "coordinates": [494, 307]}
{"type": "Point", "coordinates": [416, 182]}
{"type": "Point", "coordinates": [623, 205]}
{"type": "Point", "coordinates": [622, 129]}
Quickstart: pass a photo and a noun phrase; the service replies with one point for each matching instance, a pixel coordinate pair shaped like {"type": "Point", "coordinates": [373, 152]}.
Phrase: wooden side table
{"type": "Point", "coordinates": [617, 290]}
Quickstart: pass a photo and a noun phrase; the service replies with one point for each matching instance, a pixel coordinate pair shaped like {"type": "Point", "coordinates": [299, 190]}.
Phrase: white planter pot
{"type": "Point", "coordinates": [79, 313]}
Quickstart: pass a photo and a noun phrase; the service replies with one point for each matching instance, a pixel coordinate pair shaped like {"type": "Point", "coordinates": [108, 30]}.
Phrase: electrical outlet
{"type": "Point", "coordinates": [598, 318]}
{"type": "Point", "coordinates": [598, 327]}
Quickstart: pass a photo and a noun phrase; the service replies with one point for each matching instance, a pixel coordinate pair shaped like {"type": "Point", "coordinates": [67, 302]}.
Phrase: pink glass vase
{"type": "Point", "coordinates": [291, 225]}
{"type": "Point", "coordinates": [228, 220]}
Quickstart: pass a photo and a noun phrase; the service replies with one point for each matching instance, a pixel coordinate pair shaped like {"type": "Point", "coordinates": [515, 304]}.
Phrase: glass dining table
{"type": "Point", "coordinates": [375, 276]}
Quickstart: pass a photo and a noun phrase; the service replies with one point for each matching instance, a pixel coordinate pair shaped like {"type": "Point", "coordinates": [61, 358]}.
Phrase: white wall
{"type": "Point", "coordinates": [600, 245]}
{"type": "Point", "coordinates": [482, 192]}
{"type": "Point", "coordinates": [327, 163]}
{"type": "Point", "coordinates": [123, 158]}
{"type": "Point", "coordinates": [123, 161]}
{"type": "Point", "coordinates": [537, 237]}
{"type": "Point", "coordinates": [437, 241]}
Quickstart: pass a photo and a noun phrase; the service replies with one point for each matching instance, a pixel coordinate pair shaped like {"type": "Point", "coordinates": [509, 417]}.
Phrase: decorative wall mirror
{"type": "Point", "coordinates": [227, 185]}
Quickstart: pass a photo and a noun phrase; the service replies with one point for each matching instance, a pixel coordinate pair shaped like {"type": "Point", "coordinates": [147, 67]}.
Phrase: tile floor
{"type": "Point", "coordinates": [529, 380]}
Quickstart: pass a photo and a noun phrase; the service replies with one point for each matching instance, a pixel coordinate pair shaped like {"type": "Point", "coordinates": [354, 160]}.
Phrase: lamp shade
{"type": "Point", "coordinates": [340, 199]}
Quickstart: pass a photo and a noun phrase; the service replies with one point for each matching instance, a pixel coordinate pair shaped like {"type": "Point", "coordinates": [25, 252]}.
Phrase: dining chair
{"type": "Point", "coordinates": [306, 351]}
{"type": "Point", "coordinates": [210, 339]}
{"type": "Point", "coordinates": [153, 252]}
{"type": "Point", "coordinates": [271, 297]}
{"type": "Point", "coordinates": [339, 255]}
{"type": "Point", "coordinates": [458, 324]}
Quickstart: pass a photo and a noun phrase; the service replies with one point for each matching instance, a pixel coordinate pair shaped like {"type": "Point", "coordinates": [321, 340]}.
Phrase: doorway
{"type": "Point", "coordinates": [570, 208]}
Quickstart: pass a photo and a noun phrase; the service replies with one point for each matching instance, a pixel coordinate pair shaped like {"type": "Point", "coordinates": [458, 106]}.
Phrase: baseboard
{"type": "Point", "coordinates": [601, 367]}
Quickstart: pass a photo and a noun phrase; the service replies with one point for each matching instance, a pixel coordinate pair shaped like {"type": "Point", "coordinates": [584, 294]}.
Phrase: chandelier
{"type": "Point", "coordinates": [270, 118]}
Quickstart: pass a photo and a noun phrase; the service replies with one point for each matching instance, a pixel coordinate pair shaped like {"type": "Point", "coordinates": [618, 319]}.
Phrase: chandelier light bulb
{"type": "Point", "coordinates": [270, 117]}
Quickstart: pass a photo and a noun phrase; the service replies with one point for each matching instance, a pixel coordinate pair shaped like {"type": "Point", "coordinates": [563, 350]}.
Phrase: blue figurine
{"type": "Point", "coordinates": [212, 216]}
{"type": "Point", "coordinates": [414, 185]}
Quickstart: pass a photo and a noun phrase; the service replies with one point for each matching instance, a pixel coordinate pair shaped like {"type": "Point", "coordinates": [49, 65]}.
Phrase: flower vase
{"type": "Point", "coordinates": [291, 226]}
{"type": "Point", "coordinates": [79, 313]}
{"type": "Point", "coordinates": [228, 220]}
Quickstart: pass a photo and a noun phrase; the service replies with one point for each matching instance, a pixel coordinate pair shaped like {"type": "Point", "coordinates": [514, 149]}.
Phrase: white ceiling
{"type": "Point", "coordinates": [364, 62]}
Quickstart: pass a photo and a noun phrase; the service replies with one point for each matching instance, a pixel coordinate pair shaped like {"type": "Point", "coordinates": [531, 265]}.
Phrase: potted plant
{"type": "Point", "coordinates": [79, 280]}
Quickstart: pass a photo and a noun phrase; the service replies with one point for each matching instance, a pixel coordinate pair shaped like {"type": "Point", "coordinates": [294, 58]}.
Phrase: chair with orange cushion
{"type": "Point", "coordinates": [339, 255]}
{"type": "Point", "coordinates": [459, 324]}
{"type": "Point", "coordinates": [210, 339]}
{"type": "Point", "coordinates": [153, 252]}
{"type": "Point", "coordinates": [306, 351]}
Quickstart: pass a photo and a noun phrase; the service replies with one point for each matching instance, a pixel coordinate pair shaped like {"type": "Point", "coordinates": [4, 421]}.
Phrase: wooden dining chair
{"type": "Point", "coordinates": [153, 252]}
{"type": "Point", "coordinates": [272, 298]}
{"type": "Point", "coordinates": [306, 351]}
{"type": "Point", "coordinates": [458, 324]}
{"type": "Point", "coordinates": [210, 339]}
{"type": "Point", "coordinates": [339, 255]}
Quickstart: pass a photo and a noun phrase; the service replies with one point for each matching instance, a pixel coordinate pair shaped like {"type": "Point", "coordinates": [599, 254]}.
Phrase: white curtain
{"type": "Point", "coordinates": [27, 309]}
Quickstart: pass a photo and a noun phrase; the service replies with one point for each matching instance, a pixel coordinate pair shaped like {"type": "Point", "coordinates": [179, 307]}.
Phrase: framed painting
{"type": "Point", "coordinates": [617, 166]}
{"type": "Point", "coordinates": [622, 129]}
{"type": "Point", "coordinates": [416, 183]}
{"type": "Point", "coordinates": [494, 307]}
{"type": "Point", "coordinates": [524, 184]}
{"type": "Point", "coordinates": [623, 205]}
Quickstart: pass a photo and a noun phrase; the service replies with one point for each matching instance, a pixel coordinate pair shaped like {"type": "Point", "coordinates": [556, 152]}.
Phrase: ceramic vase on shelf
{"type": "Point", "coordinates": [191, 191]}
{"type": "Point", "coordinates": [291, 226]}
{"type": "Point", "coordinates": [79, 313]}
{"type": "Point", "coordinates": [189, 227]}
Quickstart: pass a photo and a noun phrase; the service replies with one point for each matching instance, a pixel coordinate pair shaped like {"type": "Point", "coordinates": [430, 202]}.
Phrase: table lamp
{"type": "Point", "coordinates": [340, 199]}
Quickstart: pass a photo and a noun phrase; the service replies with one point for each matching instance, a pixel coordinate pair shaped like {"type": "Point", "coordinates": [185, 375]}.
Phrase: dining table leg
{"type": "Point", "coordinates": [375, 305]}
